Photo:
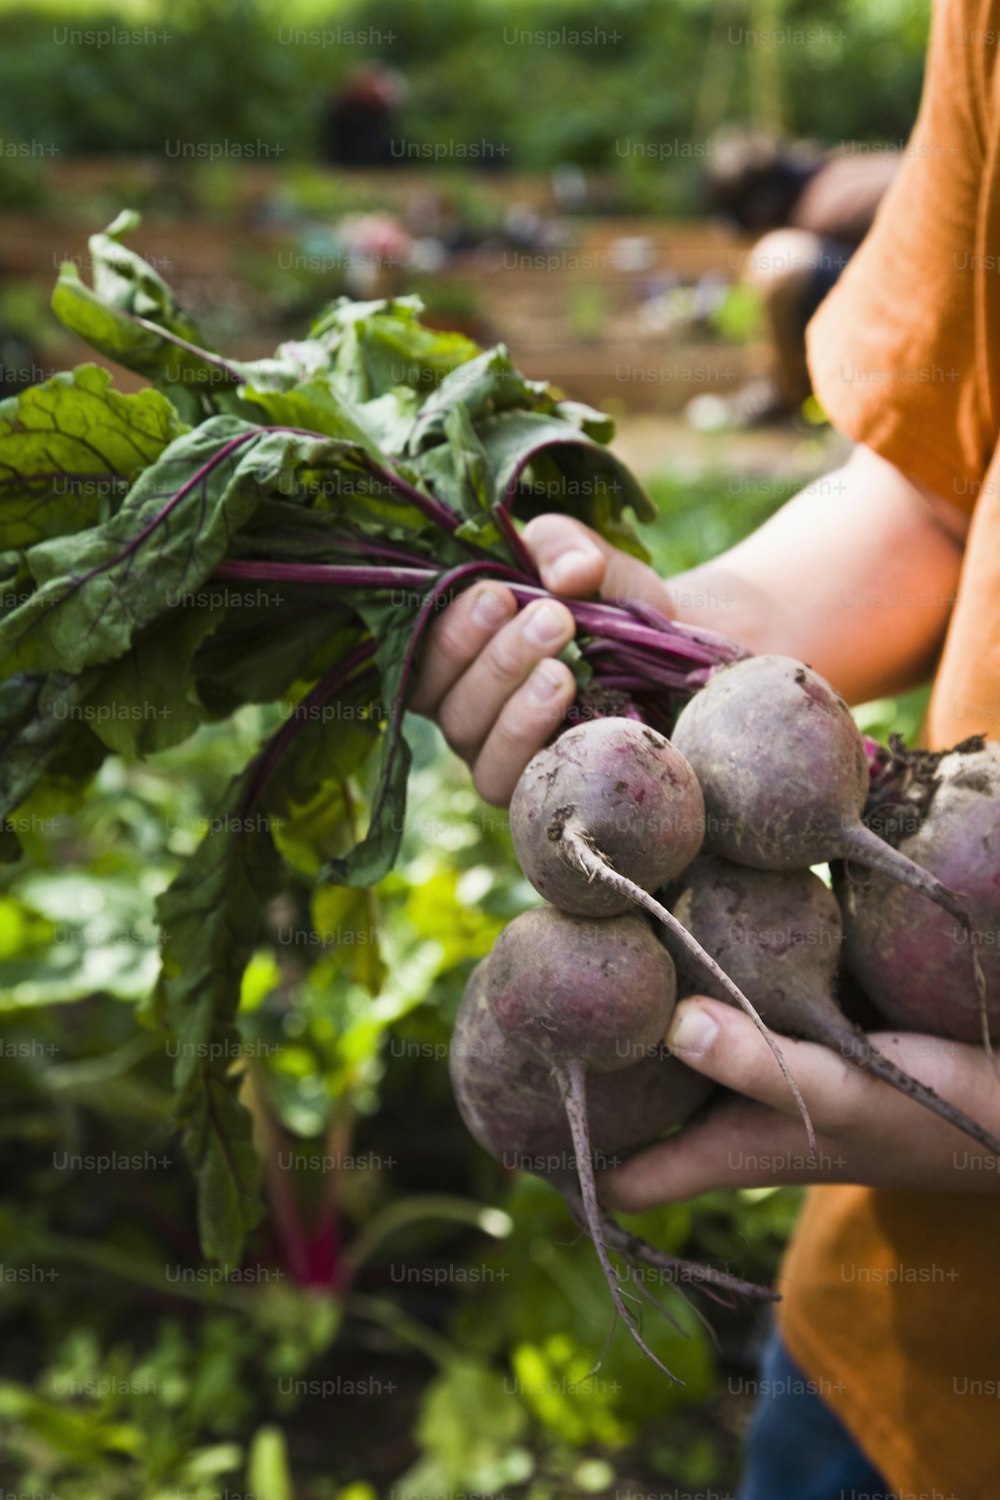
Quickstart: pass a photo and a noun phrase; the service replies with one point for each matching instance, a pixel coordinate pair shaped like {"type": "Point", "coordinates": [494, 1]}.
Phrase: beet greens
{"type": "Point", "coordinates": [280, 531]}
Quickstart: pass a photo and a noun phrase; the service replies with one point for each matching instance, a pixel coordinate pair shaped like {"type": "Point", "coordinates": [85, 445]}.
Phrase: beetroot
{"type": "Point", "coordinates": [625, 789]}
{"type": "Point", "coordinates": [784, 771]}
{"type": "Point", "coordinates": [778, 933]}
{"type": "Point", "coordinates": [908, 955]}
{"type": "Point", "coordinates": [574, 817]}
{"type": "Point", "coordinates": [512, 1106]}
{"type": "Point", "coordinates": [507, 1098]}
{"type": "Point", "coordinates": [567, 989]}
{"type": "Point", "coordinates": [530, 1109]}
{"type": "Point", "coordinates": [565, 986]}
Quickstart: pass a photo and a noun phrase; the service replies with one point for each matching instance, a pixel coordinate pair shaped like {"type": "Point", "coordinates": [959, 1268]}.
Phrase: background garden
{"type": "Point", "coordinates": [408, 1320]}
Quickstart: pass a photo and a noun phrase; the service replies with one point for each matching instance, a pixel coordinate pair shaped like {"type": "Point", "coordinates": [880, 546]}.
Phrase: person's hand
{"type": "Point", "coordinates": [866, 1132]}
{"type": "Point", "coordinates": [488, 675]}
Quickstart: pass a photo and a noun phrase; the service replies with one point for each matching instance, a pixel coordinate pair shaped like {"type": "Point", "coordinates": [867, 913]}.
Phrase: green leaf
{"type": "Point", "coordinates": [264, 642]}
{"type": "Point", "coordinates": [317, 407]}
{"type": "Point", "coordinates": [483, 386]}
{"type": "Point", "coordinates": [123, 279]}
{"type": "Point", "coordinates": [16, 582]}
{"type": "Point", "coordinates": [192, 381]}
{"type": "Point", "coordinates": [268, 1473]}
{"type": "Point", "coordinates": [43, 734]}
{"type": "Point", "coordinates": [390, 418]}
{"type": "Point", "coordinates": [458, 472]}
{"type": "Point", "coordinates": [556, 1380]}
{"type": "Point", "coordinates": [596, 424]}
{"type": "Point", "coordinates": [133, 317]}
{"type": "Point", "coordinates": [147, 699]}
{"type": "Point", "coordinates": [311, 807]}
{"type": "Point", "coordinates": [376, 346]}
{"type": "Point", "coordinates": [469, 1425]}
{"type": "Point", "coordinates": [573, 474]}
{"type": "Point", "coordinates": [98, 589]}
{"type": "Point", "coordinates": [211, 917]}
{"type": "Point", "coordinates": [65, 1435]}
{"type": "Point", "coordinates": [375, 854]}
{"type": "Point", "coordinates": [71, 445]}
{"type": "Point", "coordinates": [348, 921]}
{"type": "Point", "coordinates": [344, 483]}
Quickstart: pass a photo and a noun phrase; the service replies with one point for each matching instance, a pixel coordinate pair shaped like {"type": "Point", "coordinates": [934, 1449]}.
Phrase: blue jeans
{"type": "Point", "coordinates": [796, 1448]}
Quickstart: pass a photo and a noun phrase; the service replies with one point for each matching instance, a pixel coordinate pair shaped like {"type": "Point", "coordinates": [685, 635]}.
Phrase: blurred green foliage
{"type": "Point", "coordinates": [235, 73]}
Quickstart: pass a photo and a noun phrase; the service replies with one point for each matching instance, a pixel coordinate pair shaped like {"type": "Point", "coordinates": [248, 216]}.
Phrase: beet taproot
{"type": "Point", "coordinates": [628, 792]}
{"type": "Point", "coordinates": [532, 1111]}
{"type": "Point", "coordinates": [909, 956]}
{"type": "Point", "coordinates": [784, 772]}
{"type": "Point", "coordinates": [574, 817]}
{"type": "Point", "coordinates": [779, 934]}
{"type": "Point", "coordinates": [511, 1104]}
{"type": "Point", "coordinates": [571, 987]}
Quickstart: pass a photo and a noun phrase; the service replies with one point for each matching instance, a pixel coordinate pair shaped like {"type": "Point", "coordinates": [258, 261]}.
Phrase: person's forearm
{"type": "Point", "coordinates": [856, 576]}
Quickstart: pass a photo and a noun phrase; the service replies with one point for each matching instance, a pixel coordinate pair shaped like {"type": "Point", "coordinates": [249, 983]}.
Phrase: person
{"type": "Point", "coordinates": [359, 117]}
{"type": "Point", "coordinates": [812, 210]}
{"type": "Point", "coordinates": [882, 575]}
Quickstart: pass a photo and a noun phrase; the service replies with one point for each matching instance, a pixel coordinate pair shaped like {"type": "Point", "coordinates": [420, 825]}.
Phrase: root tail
{"type": "Point", "coordinates": [581, 852]}
{"type": "Point", "coordinates": [572, 1085]}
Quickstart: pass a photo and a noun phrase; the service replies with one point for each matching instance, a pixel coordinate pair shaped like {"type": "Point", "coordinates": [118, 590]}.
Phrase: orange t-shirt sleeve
{"type": "Point", "coordinates": [893, 349]}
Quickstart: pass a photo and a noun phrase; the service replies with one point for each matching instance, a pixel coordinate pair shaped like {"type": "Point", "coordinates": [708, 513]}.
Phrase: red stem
{"type": "Point", "coordinates": [277, 745]}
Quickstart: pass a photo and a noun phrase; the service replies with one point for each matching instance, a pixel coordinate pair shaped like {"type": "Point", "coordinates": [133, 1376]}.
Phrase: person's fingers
{"type": "Point", "coordinates": [521, 729]}
{"type": "Point", "coordinates": [573, 560]}
{"type": "Point", "coordinates": [456, 638]}
{"type": "Point", "coordinates": [468, 712]}
{"type": "Point", "coordinates": [736, 1143]}
{"type": "Point", "coordinates": [865, 1131]}
{"type": "Point", "coordinates": [724, 1044]}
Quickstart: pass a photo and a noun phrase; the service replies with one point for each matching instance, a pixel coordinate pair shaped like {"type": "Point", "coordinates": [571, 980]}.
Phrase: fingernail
{"type": "Point", "coordinates": [692, 1032]}
{"type": "Point", "coordinates": [488, 609]}
{"type": "Point", "coordinates": [567, 566]}
{"type": "Point", "coordinates": [543, 685]}
{"type": "Point", "coordinates": [545, 626]}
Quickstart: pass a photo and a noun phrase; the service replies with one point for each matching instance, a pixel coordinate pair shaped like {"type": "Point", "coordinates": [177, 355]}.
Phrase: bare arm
{"type": "Point", "coordinates": [855, 575]}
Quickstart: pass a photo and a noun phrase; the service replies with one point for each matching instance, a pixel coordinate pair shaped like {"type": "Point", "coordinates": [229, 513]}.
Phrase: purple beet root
{"type": "Point", "coordinates": [512, 1106]}
{"type": "Point", "coordinates": [604, 816]}
{"type": "Point", "coordinates": [571, 987]}
{"type": "Point", "coordinates": [625, 790]}
{"type": "Point", "coordinates": [909, 956]}
{"type": "Point", "coordinates": [779, 934]}
{"type": "Point", "coordinates": [784, 770]}
{"type": "Point", "coordinates": [561, 996]}
{"type": "Point", "coordinates": [785, 773]}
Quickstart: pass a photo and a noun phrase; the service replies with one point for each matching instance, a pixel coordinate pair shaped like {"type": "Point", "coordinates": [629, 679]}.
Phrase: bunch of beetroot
{"type": "Point", "coordinates": [681, 866]}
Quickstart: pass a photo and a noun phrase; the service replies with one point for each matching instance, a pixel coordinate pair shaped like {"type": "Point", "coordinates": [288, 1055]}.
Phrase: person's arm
{"type": "Point", "coordinates": [855, 576]}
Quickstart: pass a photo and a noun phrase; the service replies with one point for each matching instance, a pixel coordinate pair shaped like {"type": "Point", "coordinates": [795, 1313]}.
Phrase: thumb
{"type": "Point", "coordinates": [573, 560]}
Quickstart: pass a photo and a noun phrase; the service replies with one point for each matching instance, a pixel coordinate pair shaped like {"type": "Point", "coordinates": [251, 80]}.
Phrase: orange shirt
{"type": "Point", "coordinates": [892, 1300]}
